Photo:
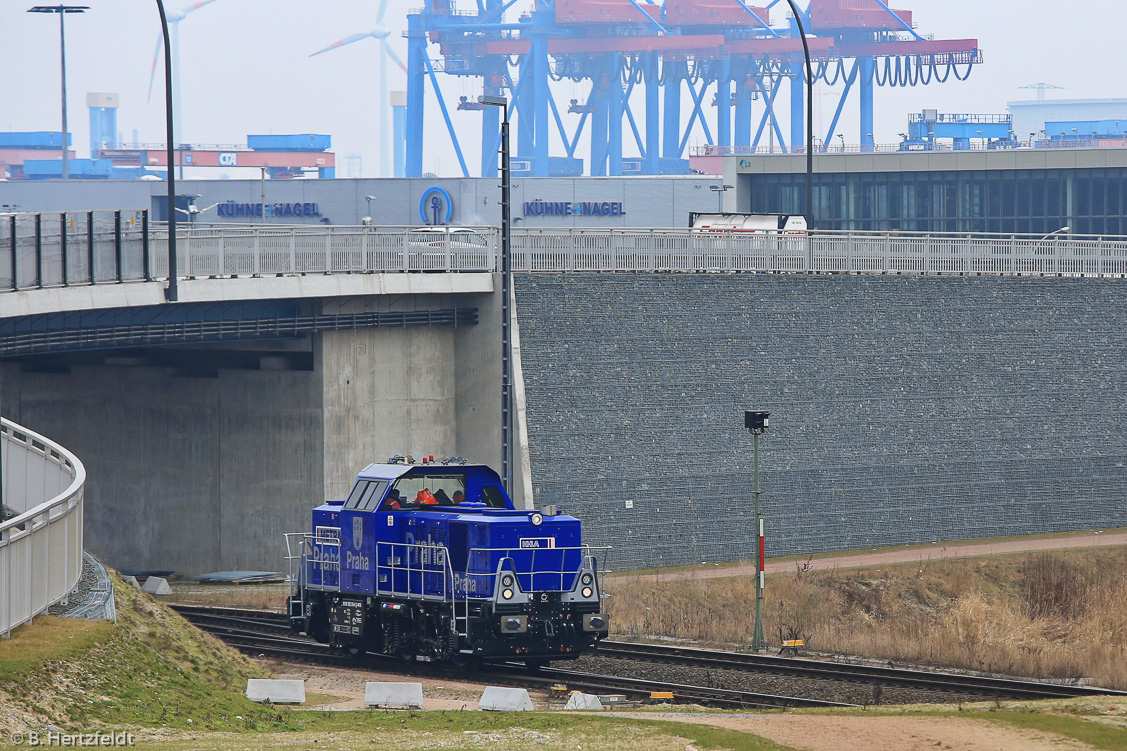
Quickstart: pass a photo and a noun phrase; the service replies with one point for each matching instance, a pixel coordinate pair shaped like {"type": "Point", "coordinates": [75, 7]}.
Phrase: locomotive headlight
{"type": "Point", "coordinates": [507, 580]}
{"type": "Point", "coordinates": [587, 591]}
{"type": "Point", "coordinates": [507, 594]}
{"type": "Point", "coordinates": [586, 579]}
{"type": "Point", "coordinates": [537, 519]}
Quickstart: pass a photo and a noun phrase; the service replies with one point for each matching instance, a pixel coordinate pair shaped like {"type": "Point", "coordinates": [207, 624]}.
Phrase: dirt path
{"type": "Point", "coordinates": [347, 685]}
{"type": "Point", "coordinates": [915, 553]}
{"type": "Point", "coordinates": [815, 733]}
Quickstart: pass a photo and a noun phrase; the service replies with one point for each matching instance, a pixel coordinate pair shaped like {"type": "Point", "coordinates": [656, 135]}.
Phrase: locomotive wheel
{"type": "Point", "coordinates": [355, 652]}
{"type": "Point", "coordinates": [534, 666]}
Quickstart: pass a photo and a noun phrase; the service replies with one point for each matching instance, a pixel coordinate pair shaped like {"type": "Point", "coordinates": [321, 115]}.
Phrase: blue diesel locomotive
{"type": "Point", "coordinates": [431, 561]}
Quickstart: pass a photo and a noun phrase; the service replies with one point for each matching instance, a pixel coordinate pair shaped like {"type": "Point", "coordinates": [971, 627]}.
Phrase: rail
{"type": "Point", "coordinates": [40, 547]}
{"type": "Point", "coordinates": [121, 248]}
{"type": "Point", "coordinates": [1098, 141]}
{"type": "Point", "coordinates": [557, 575]}
{"type": "Point", "coordinates": [819, 252]}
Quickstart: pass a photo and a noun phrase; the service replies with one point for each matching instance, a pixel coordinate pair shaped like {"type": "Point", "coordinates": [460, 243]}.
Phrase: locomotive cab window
{"type": "Point", "coordinates": [432, 490]}
{"type": "Point", "coordinates": [366, 495]}
{"type": "Point", "coordinates": [493, 497]}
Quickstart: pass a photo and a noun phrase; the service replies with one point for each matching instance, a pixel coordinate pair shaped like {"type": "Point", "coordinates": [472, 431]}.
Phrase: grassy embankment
{"type": "Point", "coordinates": [150, 669]}
{"type": "Point", "coordinates": [176, 687]}
{"type": "Point", "coordinates": [1054, 615]}
{"type": "Point", "coordinates": [180, 689]}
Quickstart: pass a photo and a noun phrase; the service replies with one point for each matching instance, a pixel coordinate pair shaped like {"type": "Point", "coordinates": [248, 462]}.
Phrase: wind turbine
{"type": "Point", "coordinates": [174, 19]}
{"type": "Point", "coordinates": [386, 52]}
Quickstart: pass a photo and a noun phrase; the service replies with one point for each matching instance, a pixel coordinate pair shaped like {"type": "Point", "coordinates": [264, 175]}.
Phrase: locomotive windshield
{"type": "Point", "coordinates": [416, 488]}
{"type": "Point", "coordinates": [445, 490]}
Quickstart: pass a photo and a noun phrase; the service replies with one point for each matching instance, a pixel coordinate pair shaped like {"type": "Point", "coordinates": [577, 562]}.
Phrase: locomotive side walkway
{"type": "Point", "coordinates": [908, 554]}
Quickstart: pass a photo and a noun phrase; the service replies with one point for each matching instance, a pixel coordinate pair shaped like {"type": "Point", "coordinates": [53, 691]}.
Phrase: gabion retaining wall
{"type": "Point", "coordinates": [903, 409]}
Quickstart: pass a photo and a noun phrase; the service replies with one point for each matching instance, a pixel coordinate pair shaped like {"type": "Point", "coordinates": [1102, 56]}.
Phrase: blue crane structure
{"type": "Point", "coordinates": [925, 128]}
{"type": "Point", "coordinates": [680, 48]}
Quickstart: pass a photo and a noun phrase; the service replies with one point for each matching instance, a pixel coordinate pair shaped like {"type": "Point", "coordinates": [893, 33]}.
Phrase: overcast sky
{"type": "Point", "coordinates": [246, 69]}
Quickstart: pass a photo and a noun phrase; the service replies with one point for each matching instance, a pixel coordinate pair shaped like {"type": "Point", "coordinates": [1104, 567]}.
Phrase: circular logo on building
{"type": "Point", "coordinates": [436, 206]}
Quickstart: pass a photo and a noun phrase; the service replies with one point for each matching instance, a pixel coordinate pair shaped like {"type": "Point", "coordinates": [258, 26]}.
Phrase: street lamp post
{"type": "Point", "coordinates": [62, 10]}
{"type": "Point", "coordinates": [809, 117]}
{"type": "Point", "coordinates": [506, 297]}
{"type": "Point", "coordinates": [756, 423]}
{"type": "Point", "coordinates": [719, 190]}
{"type": "Point", "coordinates": [262, 190]}
{"type": "Point", "coordinates": [369, 217]}
{"type": "Point", "coordinates": [171, 293]}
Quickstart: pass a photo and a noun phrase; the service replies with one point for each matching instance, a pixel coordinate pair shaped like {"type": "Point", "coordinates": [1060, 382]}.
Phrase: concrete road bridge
{"type": "Point", "coordinates": [294, 355]}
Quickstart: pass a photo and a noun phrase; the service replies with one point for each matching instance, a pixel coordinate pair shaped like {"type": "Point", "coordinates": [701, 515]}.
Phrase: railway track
{"type": "Point", "coordinates": [264, 632]}
{"type": "Point", "coordinates": [916, 679]}
{"type": "Point", "coordinates": [261, 633]}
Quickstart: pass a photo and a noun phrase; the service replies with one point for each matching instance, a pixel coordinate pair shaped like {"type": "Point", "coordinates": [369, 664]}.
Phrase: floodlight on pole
{"type": "Point", "coordinates": [756, 423]}
{"type": "Point", "coordinates": [493, 100]}
{"type": "Point", "coordinates": [62, 11]}
{"type": "Point", "coordinates": [719, 190]}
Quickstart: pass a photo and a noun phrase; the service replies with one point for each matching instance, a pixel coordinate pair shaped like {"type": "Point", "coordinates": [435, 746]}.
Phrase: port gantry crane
{"type": "Point", "coordinates": [680, 48]}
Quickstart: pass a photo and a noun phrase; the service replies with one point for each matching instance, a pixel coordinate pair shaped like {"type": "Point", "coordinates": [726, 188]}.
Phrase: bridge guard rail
{"type": "Point", "coordinates": [59, 250]}
{"type": "Point", "coordinates": [67, 249]}
{"type": "Point", "coordinates": [267, 250]}
{"type": "Point", "coordinates": [41, 547]}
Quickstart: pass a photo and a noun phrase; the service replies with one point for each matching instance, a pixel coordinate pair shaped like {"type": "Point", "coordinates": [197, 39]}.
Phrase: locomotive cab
{"type": "Point", "coordinates": [433, 562]}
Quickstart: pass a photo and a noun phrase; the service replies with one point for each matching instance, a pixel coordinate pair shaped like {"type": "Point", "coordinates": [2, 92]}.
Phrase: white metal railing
{"type": "Point", "coordinates": [266, 250]}
{"type": "Point", "coordinates": [220, 250]}
{"type": "Point", "coordinates": [229, 250]}
{"type": "Point", "coordinates": [41, 547]}
{"type": "Point", "coordinates": [821, 251]}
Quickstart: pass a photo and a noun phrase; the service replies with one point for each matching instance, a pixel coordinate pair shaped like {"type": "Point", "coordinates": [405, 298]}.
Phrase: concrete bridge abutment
{"type": "Point", "coordinates": [200, 457]}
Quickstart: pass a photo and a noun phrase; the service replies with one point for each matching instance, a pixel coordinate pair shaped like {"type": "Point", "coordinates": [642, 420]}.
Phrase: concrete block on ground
{"type": "Point", "coordinates": [498, 699]}
{"type": "Point", "coordinates": [583, 701]}
{"type": "Point", "coordinates": [155, 585]}
{"type": "Point", "coordinates": [276, 691]}
{"type": "Point", "coordinates": [394, 695]}
{"type": "Point", "coordinates": [132, 580]}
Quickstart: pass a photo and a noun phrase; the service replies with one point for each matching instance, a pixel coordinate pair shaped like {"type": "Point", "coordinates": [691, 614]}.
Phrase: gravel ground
{"type": "Point", "coordinates": [848, 692]}
{"type": "Point", "coordinates": [91, 598]}
{"type": "Point", "coordinates": [80, 592]}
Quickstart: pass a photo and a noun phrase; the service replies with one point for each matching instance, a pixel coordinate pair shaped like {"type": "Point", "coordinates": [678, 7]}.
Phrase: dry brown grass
{"type": "Point", "coordinates": [253, 596]}
{"type": "Point", "coordinates": [1051, 615]}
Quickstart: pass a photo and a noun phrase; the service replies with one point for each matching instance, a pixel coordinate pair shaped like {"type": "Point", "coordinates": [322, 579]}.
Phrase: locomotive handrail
{"type": "Point", "coordinates": [587, 555]}
{"type": "Point", "coordinates": [448, 582]}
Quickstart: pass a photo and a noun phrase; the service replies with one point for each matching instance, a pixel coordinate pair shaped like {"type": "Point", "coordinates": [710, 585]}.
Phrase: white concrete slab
{"type": "Point", "coordinates": [583, 701]}
{"type": "Point", "coordinates": [393, 695]}
{"type": "Point", "coordinates": [132, 580]}
{"type": "Point", "coordinates": [276, 691]}
{"type": "Point", "coordinates": [498, 699]}
{"type": "Point", "coordinates": [155, 585]}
